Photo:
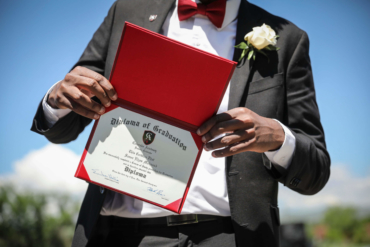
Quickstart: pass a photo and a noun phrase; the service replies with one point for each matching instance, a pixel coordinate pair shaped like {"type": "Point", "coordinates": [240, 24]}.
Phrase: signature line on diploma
{"type": "Point", "coordinates": [109, 176]}
{"type": "Point", "coordinates": [158, 192]}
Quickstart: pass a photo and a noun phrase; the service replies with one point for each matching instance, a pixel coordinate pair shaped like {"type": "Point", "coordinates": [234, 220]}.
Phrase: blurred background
{"type": "Point", "coordinates": [39, 197]}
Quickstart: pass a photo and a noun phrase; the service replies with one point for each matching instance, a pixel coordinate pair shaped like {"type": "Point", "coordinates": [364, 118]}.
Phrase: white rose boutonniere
{"type": "Point", "coordinates": [263, 37]}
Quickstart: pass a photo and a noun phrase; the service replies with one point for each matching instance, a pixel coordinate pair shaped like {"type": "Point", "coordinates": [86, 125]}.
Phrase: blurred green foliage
{"type": "Point", "coordinates": [35, 219]}
{"type": "Point", "coordinates": [341, 226]}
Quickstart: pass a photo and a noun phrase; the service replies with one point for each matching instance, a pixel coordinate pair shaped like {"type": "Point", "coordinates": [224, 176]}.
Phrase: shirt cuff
{"type": "Point", "coordinates": [283, 156]}
{"type": "Point", "coordinates": [52, 115]}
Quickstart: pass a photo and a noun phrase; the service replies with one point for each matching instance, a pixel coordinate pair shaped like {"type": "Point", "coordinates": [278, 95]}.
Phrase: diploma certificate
{"type": "Point", "coordinates": [140, 156]}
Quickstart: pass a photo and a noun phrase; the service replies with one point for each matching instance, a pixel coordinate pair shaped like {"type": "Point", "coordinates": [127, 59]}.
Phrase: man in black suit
{"type": "Point", "coordinates": [280, 87]}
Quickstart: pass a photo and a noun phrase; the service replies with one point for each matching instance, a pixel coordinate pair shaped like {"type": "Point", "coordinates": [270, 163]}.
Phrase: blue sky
{"type": "Point", "coordinates": [41, 40]}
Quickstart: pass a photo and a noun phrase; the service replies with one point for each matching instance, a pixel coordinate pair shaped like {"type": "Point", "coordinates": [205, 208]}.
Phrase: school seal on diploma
{"type": "Point", "coordinates": [148, 137]}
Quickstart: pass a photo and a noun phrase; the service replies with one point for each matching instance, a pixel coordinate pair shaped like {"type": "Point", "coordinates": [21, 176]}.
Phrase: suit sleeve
{"type": "Point", "coordinates": [70, 126]}
{"type": "Point", "coordinates": [309, 170]}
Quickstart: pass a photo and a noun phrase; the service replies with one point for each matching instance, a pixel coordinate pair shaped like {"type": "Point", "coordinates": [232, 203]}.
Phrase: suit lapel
{"type": "Point", "coordinates": [247, 19]}
{"type": "Point", "coordinates": [158, 8]}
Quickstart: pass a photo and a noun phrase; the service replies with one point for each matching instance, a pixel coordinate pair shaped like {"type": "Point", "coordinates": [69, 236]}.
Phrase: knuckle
{"type": "Point", "coordinates": [78, 69]}
{"type": "Point", "coordinates": [240, 110]}
{"type": "Point", "coordinates": [77, 96]}
{"type": "Point", "coordinates": [109, 87]}
{"type": "Point", "coordinates": [92, 83]}
{"type": "Point", "coordinates": [58, 97]}
{"type": "Point", "coordinates": [62, 102]}
{"type": "Point", "coordinates": [68, 78]}
{"type": "Point", "coordinates": [245, 110]}
{"type": "Point", "coordinates": [234, 149]}
{"type": "Point", "coordinates": [98, 77]}
{"type": "Point", "coordinates": [95, 107]}
{"type": "Point", "coordinates": [226, 141]}
{"type": "Point", "coordinates": [207, 136]}
{"type": "Point", "coordinates": [62, 87]}
{"type": "Point", "coordinates": [246, 120]}
{"type": "Point", "coordinates": [103, 94]}
{"type": "Point", "coordinates": [52, 95]}
{"type": "Point", "coordinates": [220, 127]}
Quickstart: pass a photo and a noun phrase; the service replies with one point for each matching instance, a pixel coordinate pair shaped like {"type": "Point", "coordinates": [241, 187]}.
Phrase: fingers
{"type": "Point", "coordinates": [88, 84]}
{"type": "Point", "coordinates": [77, 89]}
{"type": "Point", "coordinates": [231, 114]}
{"type": "Point", "coordinates": [212, 121]}
{"type": "Point", "coordinates": [238, 124]}
{"type": "Point", "coordinates": [84, 112]}
{"type": "Point", "coordinates": [246, 131]}
{"type": "Point", "coordinates": [101, 80]}
{"type": "Point", "coordinates": [64, 103]}
{"type": "Point", "coordinates": [82, 99]}
{"type": "Point", "coordinates": [228, 140]}
{"type": "Point", "coordinates": [223, 128]}
{"type": "Point", "coordinates": [239, 147]}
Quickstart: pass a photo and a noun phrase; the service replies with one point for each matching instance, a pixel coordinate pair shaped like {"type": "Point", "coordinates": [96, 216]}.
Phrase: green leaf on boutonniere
{"type": "Point", "coordinates": [250, 54]}
{"type": "Point", "coordinates": [242, 45]}
{"type": "Point", "coordinates": [243, 54]}
{"type": "Point", "coordinates": [271, 48]}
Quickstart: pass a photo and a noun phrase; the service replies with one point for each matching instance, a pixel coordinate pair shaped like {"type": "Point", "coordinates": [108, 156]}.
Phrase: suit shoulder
{"type": "Point", "coordinates": [279, 24]}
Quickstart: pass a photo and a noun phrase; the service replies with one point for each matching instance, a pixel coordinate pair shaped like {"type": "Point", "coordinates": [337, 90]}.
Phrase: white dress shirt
{"type": "Point", "coordinates": [208, 192]}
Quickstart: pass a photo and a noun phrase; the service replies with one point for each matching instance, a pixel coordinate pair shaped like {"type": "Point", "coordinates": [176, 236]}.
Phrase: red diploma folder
{"type": "Point", "coordinates": [166, 90]}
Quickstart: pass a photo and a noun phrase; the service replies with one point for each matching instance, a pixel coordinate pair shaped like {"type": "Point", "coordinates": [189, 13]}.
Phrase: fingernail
{"type": "Point", "coordinates": [203, 139]}
{"type": "Point", "coordinates": [214, 154]}
{"type": "Point", "coordinates": [206, 148]}
{"type": "Point", "coordinates": [198, 131]}
{"type": "Point", "coordinates": [114, 97]}
{"type": "Point", "coordinates": [102, 110]}
{"type": "Point", "coordinates": [96, 116]}
{"type": "Point", "coordinates": [107, 104]}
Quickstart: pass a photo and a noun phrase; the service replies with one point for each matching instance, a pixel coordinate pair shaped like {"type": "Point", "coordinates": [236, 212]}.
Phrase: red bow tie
{"type": "Point", "coordinates": [214, 11]}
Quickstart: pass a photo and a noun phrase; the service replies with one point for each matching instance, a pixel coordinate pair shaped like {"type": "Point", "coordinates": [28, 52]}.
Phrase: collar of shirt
{"type": "Point", "coordinates": [231, 12]}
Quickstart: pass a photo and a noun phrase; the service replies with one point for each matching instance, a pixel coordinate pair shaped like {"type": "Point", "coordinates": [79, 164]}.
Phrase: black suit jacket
{"type": "Point", "coordinates": [281, 88]}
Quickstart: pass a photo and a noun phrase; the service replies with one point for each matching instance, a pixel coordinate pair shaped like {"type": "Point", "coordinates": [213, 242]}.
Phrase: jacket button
{"type": "Point", "coordinates": [101, 190]}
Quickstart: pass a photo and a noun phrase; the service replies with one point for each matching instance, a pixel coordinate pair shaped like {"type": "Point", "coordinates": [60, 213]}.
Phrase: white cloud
{"type": "Point", "coordinates": [342, 189]}
{"type": "Point", "coordinates": [49, 169]}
